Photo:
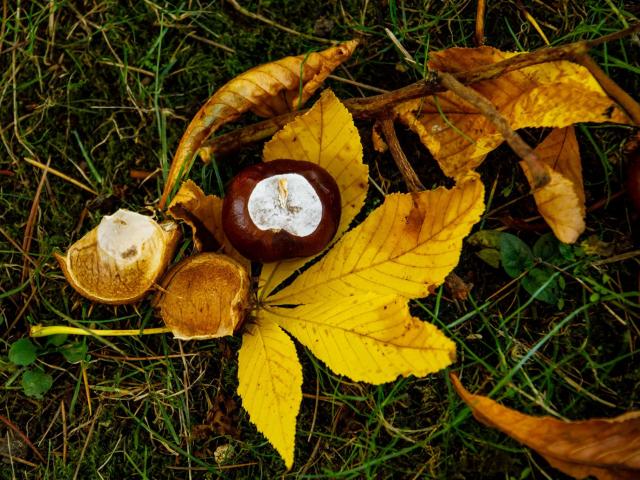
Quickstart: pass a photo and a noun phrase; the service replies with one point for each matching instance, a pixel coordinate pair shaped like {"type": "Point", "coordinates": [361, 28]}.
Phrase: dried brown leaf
{"type": "Point", "coordinates": [267, 90]}
{"type": "Point", "coordinates": [553, 94]}
{"type": "Point", "coordinates": [561, 201]}
{"type": "Point", "coordinates": [203, 213]}
{"type": "Point", "coordinates": [379, 144]}
{"type": "Point", "coordinates": [608, 449]}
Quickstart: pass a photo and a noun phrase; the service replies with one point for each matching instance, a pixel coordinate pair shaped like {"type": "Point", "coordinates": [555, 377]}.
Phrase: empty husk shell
{"type": "Point", "coordinates": [121, 259]}
{"type": "Point", "coordinates": [204, 296]}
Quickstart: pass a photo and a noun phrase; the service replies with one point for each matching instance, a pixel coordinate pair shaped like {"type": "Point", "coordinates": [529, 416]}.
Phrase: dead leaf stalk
{"type": "Point", "coordinates": [408, 173]}
{"type": "Point", "coordinates": [31, 221]}
{"type": "Point", "coordinates": [24, 438]}
{"type": "Point", "coordinates": [240, 9]}
{"type": "Point", "coordinates": [377, 105]}
{"type": "Point", "coordinates": [628, 104]}
{"type": "Point", "coordinates": [480, 13]}
{"type": "Point", "coordinates": [524, 151]}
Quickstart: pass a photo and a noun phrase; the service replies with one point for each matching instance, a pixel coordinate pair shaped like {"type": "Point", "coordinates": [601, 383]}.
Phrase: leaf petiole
{"type": "Point", "coordinates": [42, 331]}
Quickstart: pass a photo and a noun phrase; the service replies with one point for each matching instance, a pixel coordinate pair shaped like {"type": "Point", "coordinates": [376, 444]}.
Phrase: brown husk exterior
{"type": "Point", "coordinates": [204, 296]}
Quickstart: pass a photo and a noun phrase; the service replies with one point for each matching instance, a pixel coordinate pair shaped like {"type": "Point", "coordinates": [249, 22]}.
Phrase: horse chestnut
{"type": "Point", "coordinates": [281, 209]}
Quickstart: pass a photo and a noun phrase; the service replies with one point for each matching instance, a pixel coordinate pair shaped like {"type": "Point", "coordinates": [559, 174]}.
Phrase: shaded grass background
{"type": "Point", "coordinates": [99, 88]}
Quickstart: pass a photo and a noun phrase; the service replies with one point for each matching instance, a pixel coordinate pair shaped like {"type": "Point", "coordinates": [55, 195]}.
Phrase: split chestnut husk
{"type": "Point", "coordinates": [204, 296]}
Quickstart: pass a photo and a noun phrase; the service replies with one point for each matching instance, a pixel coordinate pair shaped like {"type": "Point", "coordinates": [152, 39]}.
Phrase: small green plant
{"type": "Point", "coordinates": [24, 353]}
{"type": "Point", "coordinates": [534, 266]}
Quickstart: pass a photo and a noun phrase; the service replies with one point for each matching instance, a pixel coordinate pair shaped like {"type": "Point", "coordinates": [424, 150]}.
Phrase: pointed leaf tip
{"type": "Point", "coordinates": [270, 384]}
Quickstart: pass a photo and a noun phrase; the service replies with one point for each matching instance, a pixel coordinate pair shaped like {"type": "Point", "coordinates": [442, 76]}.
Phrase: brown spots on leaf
{"type": "Point", "coordinates": [609, 111]}
{"type": "Point", "coordinates": [415, 219]}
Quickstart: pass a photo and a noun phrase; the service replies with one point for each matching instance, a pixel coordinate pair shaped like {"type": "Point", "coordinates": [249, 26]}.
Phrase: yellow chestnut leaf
{"type": "Point", "coordinates": [561, 201]}
{"type": "Point", "coordinates": [325, 135]}
{"type": "Point", "coordinates": [553, 94]}
{"type": "Point", "coordinates": [270, 384]}
{"type": "Point", "coordinates": [367, 337]}
{"type": "Point", "coordinates": [406, 247]}
{"type": "Point", "coordinates": [267, 90]}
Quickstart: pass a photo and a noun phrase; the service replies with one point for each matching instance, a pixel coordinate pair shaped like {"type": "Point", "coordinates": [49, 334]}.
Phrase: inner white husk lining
{"type": "Point", "coordinates": [123, 234]}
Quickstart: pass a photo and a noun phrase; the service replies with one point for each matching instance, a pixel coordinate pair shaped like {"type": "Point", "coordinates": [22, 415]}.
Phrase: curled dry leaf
{"type": "Point", "coordinates": [544, 95]}
{"type": "Point", "coordinates": [203, 213]}
{"type": "Point", "coordinates": [267, 90]}
{"type": "Point", "coordinates": [608, 449]}
{"type": "Point", "coordinates": [379, 144]}
{"type": "Point", "coordinates": [120, 260]}
{"type": "Point", "coordinates": [204, 296]}
{"type": "Point", "coordinates": [561, 201]}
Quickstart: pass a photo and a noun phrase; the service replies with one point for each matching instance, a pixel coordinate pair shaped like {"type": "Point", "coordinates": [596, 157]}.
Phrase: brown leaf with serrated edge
{"type": "Point", "coordinates": [561, 201]}
{"type": "Point", "coordinates": [203, 213]}
{"type": "Point", "coordinates": [553, 94]}
{"type": "Point", "coordinates": [267, 90]}
{"type": "Point", "coordinates": [608, 449]}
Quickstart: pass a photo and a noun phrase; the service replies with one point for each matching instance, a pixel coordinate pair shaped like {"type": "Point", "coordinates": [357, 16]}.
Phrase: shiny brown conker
{"type": "Point", "coordinates": [281, 209]}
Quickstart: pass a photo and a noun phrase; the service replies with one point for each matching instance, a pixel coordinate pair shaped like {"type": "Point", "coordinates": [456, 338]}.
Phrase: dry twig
{"type": "Point", "coordinates": [628, 104]}
{"type": "Point", "coordinates": [239, 8]}
{"type": "Point", "coordinates": [408, 173]}
{"type": "Point", "coordinates": [539, 175]}
{"type": "Point", "coordinates": [374, 106]}
{"type": "Point", "coordinates": [480, 13]}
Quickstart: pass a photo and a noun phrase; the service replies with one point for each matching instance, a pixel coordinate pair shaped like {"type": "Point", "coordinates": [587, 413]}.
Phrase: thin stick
{"type": "Point", "coordinates": [31, 220]}
{"type": "Point", "coordinates": [629, 105]}
{"type": "Point", "coordinates": [262, 19]}
{"type": "Point", "coordinates": [139, 359]}
{"type": "Point", "coordinates": [24, 438]}
{"type": "Point", "coordinates": [86, 443]}
{"type": "Point", "coordinates": [65, 440]}
{"type": "Point", "coordinates": [540, 177]}
{"type": "Point", "coordinates": [42, 331]}
{"type": "Point", "coordinates": [130, 68]}
{"type": "Point", "coordinates": [58, 173]}
{"type": "Point", "coordinates": [370, 107]}
{"type": "Point", "coordinates": [211, 42]}
{"type": "Point", "coordinates": [480, 12]}
{"type": "Point", "coordinates": [87, 390]}
{"type": "Point", "coordinates": [408, 173]}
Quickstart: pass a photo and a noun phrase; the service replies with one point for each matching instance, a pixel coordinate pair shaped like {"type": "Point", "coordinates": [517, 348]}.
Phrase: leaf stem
{"type": "Point", "coordinates": [626, 101]}
{"type": "Point", "coordinates": [540, 177]}
{"type": "Point", "coordinates": [42, 331]}
{"type": "Point", "coordinates": [402, 162]}
{"type": "Point", "coordinates": [374, 106]}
